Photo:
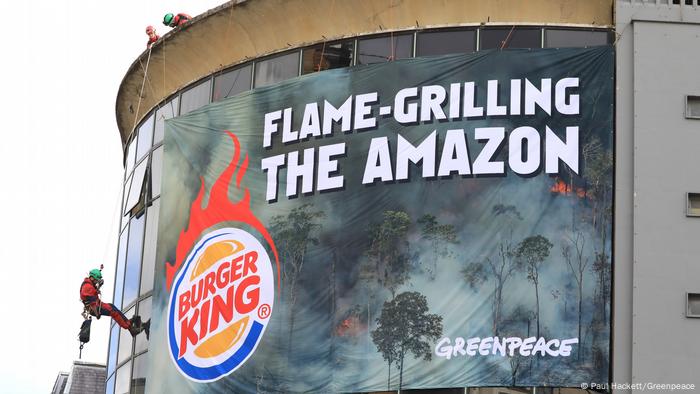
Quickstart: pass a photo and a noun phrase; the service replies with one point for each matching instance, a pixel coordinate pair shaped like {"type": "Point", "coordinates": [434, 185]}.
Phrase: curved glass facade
{"type": "Point", "coordinates": [134, 276]}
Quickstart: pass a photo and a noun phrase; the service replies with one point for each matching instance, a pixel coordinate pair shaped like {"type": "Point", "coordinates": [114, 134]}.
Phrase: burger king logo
{"type": "Point", "coordinates": [220, 304]}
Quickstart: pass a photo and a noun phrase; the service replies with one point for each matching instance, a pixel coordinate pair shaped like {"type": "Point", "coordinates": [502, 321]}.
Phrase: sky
{"type": "Point", "coordinates": [61, 169]}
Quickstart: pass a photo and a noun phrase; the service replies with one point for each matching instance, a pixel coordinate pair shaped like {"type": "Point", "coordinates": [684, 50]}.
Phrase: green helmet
{"type": "Point", "coordinates": [167, 19]}
{"type": "Point", "coordinates": [96, 274]}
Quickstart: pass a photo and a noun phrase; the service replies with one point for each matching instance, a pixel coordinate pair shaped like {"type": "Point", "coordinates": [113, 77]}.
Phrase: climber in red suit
{"type": "Point", "coordinates": [90, 296]}
{"type": "Point", "coordinates": [152, 36]}
{"type": "Point", "coordinates": [176, 20]}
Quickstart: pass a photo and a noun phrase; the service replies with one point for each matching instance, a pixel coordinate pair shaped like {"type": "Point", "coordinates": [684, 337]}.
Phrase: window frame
{"type": "Point", "coordinates": [141, 293]}
{"type": "Point", "coordinates": [688, 296]}
{"type": "Point", "coordinates": [151, 117]}
{"type": "Point", "coordinates": [547, 29]}
{"type": "Point", "coordinates": [191, 88]}
{"type": "Point", "coordinates": [116, 373]}
{"type": "Point", "coordinates": [688, 113]}
{"type": "Point", "coordinates": [129, 313]}
{"type": "Point", "coordinates": [228, 70]}
{"type": "Point", "coordinates": [304, 50]}
{"type": "Point", "coordinates": [392, 35]}
{"type": "Point", "coordinates": [539, 29]}
{"type": "Point", "coordinates": [132, 201]}
{"type": "Point", "coordinates": [141, 300]}
{"type": "Point", "coordinates": [473, 29]}
{"type": "Point", "coordinates": [130, 305]}
{"type": "Point", "coordinates": [271, 57]}
{"type": "Point", "coordinates": [690, 211]}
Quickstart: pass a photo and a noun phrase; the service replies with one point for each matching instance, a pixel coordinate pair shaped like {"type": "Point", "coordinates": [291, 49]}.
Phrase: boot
{"type": "Point", "coordinates": [136, 326]}
{"type": "Point", "coordinates": [147, 328]}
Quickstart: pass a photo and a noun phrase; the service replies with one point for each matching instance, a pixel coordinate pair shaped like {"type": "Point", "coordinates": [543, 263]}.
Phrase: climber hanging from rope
{"type": "Point", "coordinates": [176, 20]}
{"type": "Point", "coordinates": [90, 296]}
{"type": "Point", "coordinates": [152, 36]}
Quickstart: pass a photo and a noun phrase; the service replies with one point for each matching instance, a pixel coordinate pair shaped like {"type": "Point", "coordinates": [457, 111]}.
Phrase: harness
{"type": "Point", "coordinates": [89, 301]}
{"type": "Point", "coordinates": [181, 18]}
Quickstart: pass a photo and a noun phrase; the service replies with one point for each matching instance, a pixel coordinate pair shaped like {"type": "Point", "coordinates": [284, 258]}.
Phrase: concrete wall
{"type": "Point", "coordinates": [657, 247]}
{"type": "Point", "coordinates": [241, 30]}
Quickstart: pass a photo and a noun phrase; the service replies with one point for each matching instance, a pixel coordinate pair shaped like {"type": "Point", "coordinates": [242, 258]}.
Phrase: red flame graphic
{"type": "Point", "coordinates": [350, 327]}
{"type": "Point", "coordinates": [561, 187]}
{"type": "Point", "coordinates": [219, 209]}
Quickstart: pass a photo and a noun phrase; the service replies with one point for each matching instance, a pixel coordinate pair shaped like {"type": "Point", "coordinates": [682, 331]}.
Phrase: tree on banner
{"type": "Point", "coordinates": [440, 237]}
{"type": "Point", "coordinates": [578, 263]}
{"type": "Point", "coordinates": [533, 251]}
{"type": "Point", "coordinates": [293, 234]}
{"type": "Point", "coordinates": [517, 322]}
{"type": "Point", "coordinates": [499, 268]}
{"type": "Point", "coordinates": [389, 250]}
{"type": "Point", "coordinates": [404, 327]}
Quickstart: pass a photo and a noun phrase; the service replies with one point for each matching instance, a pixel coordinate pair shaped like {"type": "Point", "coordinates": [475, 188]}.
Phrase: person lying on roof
{"type": "Point", "coordinates": [90, 296]}
{"type": "Point", "coordinates": [176, 20]}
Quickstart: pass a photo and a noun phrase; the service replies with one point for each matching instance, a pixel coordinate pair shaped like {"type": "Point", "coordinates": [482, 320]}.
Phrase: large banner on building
{"type": "Point", "coordinates": [425, 223]}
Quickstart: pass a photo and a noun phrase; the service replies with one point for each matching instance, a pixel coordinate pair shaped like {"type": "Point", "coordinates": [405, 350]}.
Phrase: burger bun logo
{"type": "Point", "coordinates": [220, 304]}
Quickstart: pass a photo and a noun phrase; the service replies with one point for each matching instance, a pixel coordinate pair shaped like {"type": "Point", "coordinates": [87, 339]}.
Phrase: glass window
{"type": "Point", "coordinates": [136, 188]}
{"type": "Point", "coordinates": [156, 171]}
{"type": "Point", "coordinates": [130, 156]}
{"type": "Point", "coordinates": [693, 302]}
{"type": "Point", "coordinates": [149, 248]}
{"type": "Point", "coordinates": [561, 38]}
{"type": "Point", "coordinates": [138, 376]}
{"type": "Point", "coordinates": [127, 186]}
{"type": "Point", "coordinates": [121, 262]}
{"type": "Point", "coordinates": [167, 111]}
{"type": "Point", "coordinates": [113, 343]}
{"type": "Point", "coordinates": [232, 82]}
{"type": "Point", "coordinates": [195, 97]}
{"type": "Point", "coordinates": [123, 377]}
{"type": "Point", "coordinates": [384, 49]}
{"type": "Point", "coordinates": [145, 313]}
{"type": "Point", "coordinates": [133, 259]}
{"type": "Point", "coordinates": [125, 341]}
{"type": "Point", "coordinates": [510, 38]}
{"type": "Point", "coordinates": [433, 43]}
{"type": "Point", "coordinates": [109, 386]}
{"type": "Point", "coordinates": [276, 69]}
{"type": "Point", "coordinates": [692, 107]}
{"type": "Point", "coordinates": [125, 194]}
{"type": "Point", "coordinates": [328, 56]}
{"type": "Point", "coordinates": [693, 204]}
{"type": "Point", "coordinates": [145, 138]}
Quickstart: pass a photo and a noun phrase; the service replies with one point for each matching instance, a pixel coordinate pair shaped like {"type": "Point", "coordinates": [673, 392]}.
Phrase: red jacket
{"type": "Point", "coordinates": [180, 19]}
{"type": "Point", "coordinates": [88, 292]}
{"type": "Point", "coordinates": [152, 40]}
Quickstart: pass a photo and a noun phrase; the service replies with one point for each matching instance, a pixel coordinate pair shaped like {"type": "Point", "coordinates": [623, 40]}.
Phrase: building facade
{"type": "Point", "coordinates": [243, 45]}
{"type": "Point", "coordinates": [83, 378]}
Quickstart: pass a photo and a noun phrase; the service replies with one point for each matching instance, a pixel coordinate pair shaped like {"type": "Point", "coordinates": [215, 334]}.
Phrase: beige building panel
{"type": "Point", "coordinates": [241, 30]}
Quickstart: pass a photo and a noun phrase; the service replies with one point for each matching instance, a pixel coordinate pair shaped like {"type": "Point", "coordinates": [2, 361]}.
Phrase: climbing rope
{"type": "Point", "coordinates": [503, 44]}
{"type": "Point", "coordinates": [143, 84]}
{"type": "Point", "coordinates": [391, 26]}
{"type": "Point", "coordinates": [320, 60]}
{"type": "Point", "coordinates": [323, 48]}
